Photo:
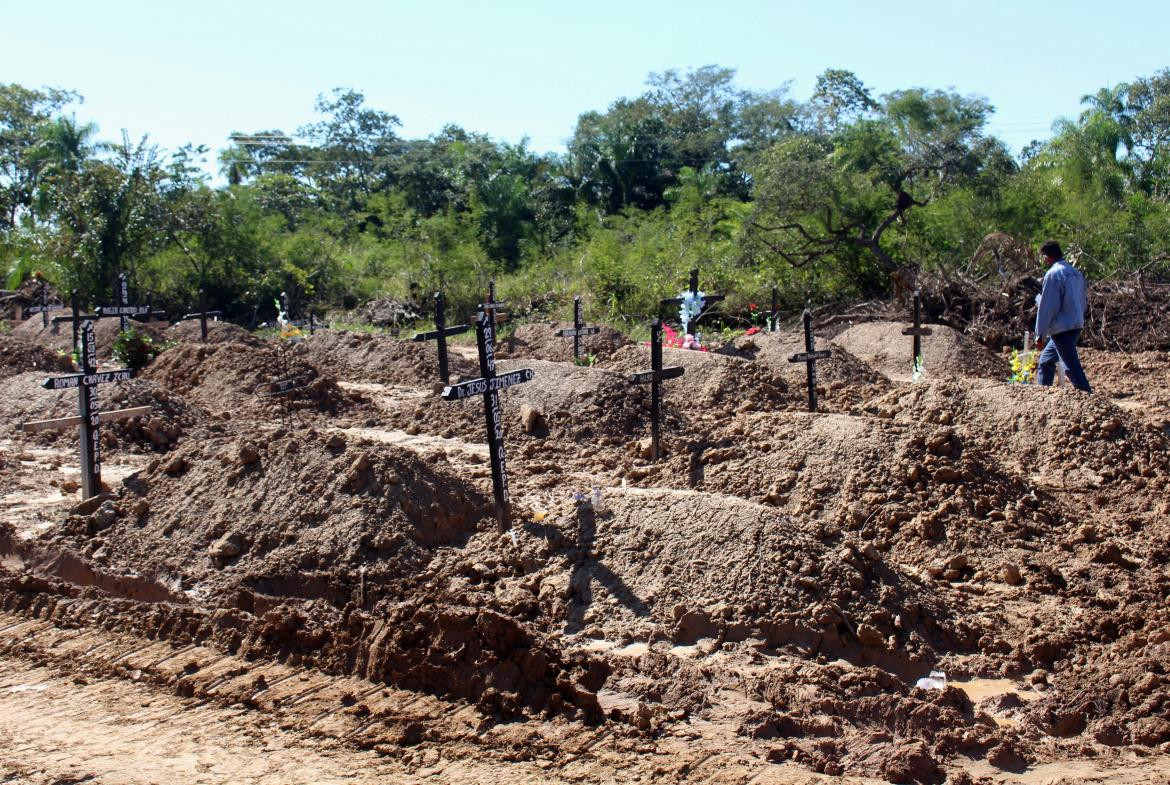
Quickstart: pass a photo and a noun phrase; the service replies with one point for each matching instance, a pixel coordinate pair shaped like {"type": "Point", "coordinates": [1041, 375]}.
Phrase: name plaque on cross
{"type": "Point", "coordinates": [655, 376]}
{"type": "Point", "coordinates": [43, 307]}
{"type": "Point", "coordinates": [123, 309]}
{"type": "Point", "coordinates": [810, 356]}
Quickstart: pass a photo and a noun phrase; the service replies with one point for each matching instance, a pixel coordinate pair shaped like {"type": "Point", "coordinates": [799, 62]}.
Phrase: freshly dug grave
{"type": "Point", "coordinates": [842, 380]}
{"type": "Point", "coordinates": [190, 331]}
{"type": "Point", "coordinates": [381, 359]}
{"type": "Point", "coordinates": [540, 341]}
{"type": "Point", "coordinates": [18, 355]}
{"type": "Point", "coordinates": [945, 353]}
{"type": "Point", "coordinates": [60, 337]}
{"type": "Point", "coordinates": [223, 377]}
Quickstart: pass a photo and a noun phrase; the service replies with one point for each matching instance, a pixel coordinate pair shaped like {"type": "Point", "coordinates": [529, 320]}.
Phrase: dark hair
{"type": "Point", "coordinates": [1052, 248]}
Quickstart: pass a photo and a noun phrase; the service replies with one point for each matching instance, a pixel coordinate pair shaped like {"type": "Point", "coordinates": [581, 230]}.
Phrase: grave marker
{"type": "Point", "coordinates": [704, 301]}
{"type": "Point", "coordinates": [77, 318]}
{"type": "Point", "coordinates": [124, 310]}
{"type": "Point", "coordinates": [440, 334]}
{"type": "Point", "coordinates": [90, 416]}
{"type": "Point", "coordinates": [493, 306]}
{"type": "Point", "coordinates": [202, 315]}
{"type": "Point", "coordinates": [311, 322]}
{"type": "Point", "coordinates": [289, 384]}
{"type": "Point", "coordinates": [809, 356]}
{"type": "Point", "coordinates": [489, 385]}
{"type": "Point", "coordinates": [774, 316]}
{"type": "Point", "coordinates": [655, 376]}
{"type": "Point", "coordinates": [917, 330]}
{"type": "Point", "coordinates": [43, 308]}
{"type": "Point", "coordinates": [578, 330]}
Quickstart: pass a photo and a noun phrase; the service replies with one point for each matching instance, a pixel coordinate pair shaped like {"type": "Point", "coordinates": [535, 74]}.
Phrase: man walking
{"type": "Point", "coordinates": [1060, 316]}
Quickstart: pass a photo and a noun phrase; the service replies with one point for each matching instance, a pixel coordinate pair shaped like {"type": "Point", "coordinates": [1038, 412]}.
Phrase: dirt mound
{"type": "Point", "coordinates": [381, 359]}
{"type": "Point", "coordinates": [540, 341]}
{"type": "Point", "coordinates": [946, 353]}
{"type": "Point", "coordinates": [18, 355]}
{"type": "Point", "coordinates": [28, 293]}
{"type": "Point", "coordinates": [224, 376]}
{"type": "Point", "coordinates": [842, 380]}
{"type": "Point", "coordinates": [190, 331]}
{"type": "Point", "coordinates": [60, 337]}
{"type": "Point", "coordinates": [1126, 380]}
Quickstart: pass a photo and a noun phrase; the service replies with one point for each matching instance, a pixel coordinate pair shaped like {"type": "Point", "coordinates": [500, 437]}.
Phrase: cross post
{"type": "Point", "coordinates": [124, 310]}
{"type": "Point", "coordinates": [917, 330]}
{"type": "Point", "coordinates": [809, 356]}
{"type": "Point", "coordinates": [693, 287]}
{"type": "Point", "coordinates": [77, 318]}
{"type": "Point", "coordinates": [86, 383]}
{"type": "Point", "coordinates": [43, 307]}
{"type": "Point", "coordinates": [774, 316]}
{"type": "Point", "coordinates": [578, 330]}
{"type": "Point", "coordinates": [202, 315]}
{"type": "Point", "coordinates": [489, 385]}
{"type": "Point", "coordinates": [655, 376]}
{"type": "Point", "coordinates": [440, 334]}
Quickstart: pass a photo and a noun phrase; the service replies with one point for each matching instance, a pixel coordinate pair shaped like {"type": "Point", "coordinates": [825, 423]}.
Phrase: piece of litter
{"type": "Point", "coordinates": [937, 680]}
{"type": "Point", "coordinates": [28, 688]}
{"type": "Point", "coordinates": [515, 542]}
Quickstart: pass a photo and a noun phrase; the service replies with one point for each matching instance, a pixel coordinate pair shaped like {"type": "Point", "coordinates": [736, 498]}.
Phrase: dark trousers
{"type": "Point", "coordinates": [1062, 347]}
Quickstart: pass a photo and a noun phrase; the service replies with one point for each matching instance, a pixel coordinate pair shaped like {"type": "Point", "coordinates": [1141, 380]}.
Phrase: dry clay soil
{"type": "Point", "coordinates": [313, 588]}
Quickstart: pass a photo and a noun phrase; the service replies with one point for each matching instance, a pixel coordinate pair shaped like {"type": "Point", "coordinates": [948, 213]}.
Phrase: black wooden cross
{"type": "Point", "coordinates": [43, 308]}
{"type": "Point", "coordinates": [917, 330]}
{"type": "Point", "coordinates": [708, 299]}
{"type": "Point", "coordinates": [809, 356]}
{"type": "Point", "coordinates": [774, 316]}
{"type": "Point", "coordinates": [86, 383]}
{"type": "Point", "coordinates": [440, 334]}
{"type": "Point", "coordinates": [202, 316]}
{"type": "Point", "coordinates": [489, 385]}
{"type": "Point", "coordinates": [493, 306]}
{"type": "Point", "coordinates": [124, 310]}
{"type": "Point", "coordinates": [77, 318]}
{"type": "Point", "coordinates": [578, 330]}
{"type": "Point", "coordinates": [655, 377]}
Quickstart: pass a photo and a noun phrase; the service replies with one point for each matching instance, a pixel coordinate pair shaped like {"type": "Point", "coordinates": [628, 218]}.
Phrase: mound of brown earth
{"type": "Point", "coordinates": [946, 353]}
{"type": "Point", "coordinates": [221, 377]}
{"type": "Point", "coordinates": [381, 359]}
{"type": "Point", "coordinates": [18, 355]}
{"type": "Point", "coordinates": [842, 380]}
{"type": "Point", "coordinates": [1136, 383]}
{"type": "Point", "coordinates": [540, 341]}
{"type": "Point", "coordinates": [60, 337]}
{"type": "Point", "coordinates": [190, 331]}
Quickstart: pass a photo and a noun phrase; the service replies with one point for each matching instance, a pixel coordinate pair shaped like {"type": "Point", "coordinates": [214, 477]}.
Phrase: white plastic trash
{"type": "Point", "coordinates": [937, 680]}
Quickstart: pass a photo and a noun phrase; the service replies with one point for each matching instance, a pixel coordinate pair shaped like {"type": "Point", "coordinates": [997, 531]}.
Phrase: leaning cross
{"type": "Point", "coordinates": [284, 386]}
{"type": "Point", "coordinates": [578, 330]}
{"type": "Point", "coordinates": [440, 334]}
{"type": "Point", "coordinates": [77, 318]}
{"type": "Point", "coordinates": [202, 315]}
{"type": "Point", "coordinates": [43, 308]}
{"type": "Point", "coordinates": [694, 290]}
{"type": "Point", "coordinates": [917, 330]}
{"type": "Point", "coordinates": [655, 377]}
{"type": "Point", "coordinates": [809, 356]}
{"type": "Point", "coordinates": [489, 385]}
{"type": "Point", "coordinates": [89, 417]}
{"type": "Point", "coordinates": [124, 310]}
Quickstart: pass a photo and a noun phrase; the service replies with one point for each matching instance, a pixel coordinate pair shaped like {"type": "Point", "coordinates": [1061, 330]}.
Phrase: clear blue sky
{"type": "Point", "coordinates": [195, 72]}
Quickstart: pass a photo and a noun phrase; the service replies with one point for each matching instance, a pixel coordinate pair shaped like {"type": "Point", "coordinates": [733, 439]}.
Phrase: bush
{"type": "Point", "coordinates": [134, 349]}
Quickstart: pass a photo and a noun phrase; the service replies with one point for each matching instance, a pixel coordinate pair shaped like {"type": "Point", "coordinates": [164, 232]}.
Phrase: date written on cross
{"type": "Point", "coordinates": [456, 392]}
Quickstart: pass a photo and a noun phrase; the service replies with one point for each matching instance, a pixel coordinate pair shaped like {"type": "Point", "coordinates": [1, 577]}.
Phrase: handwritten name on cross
{"type": "Point", "coordinates": [124, 310]}
{"type": "Point", "coordinates": [76, 318]}
{"type": "Point", "coordinates": [489, 385]}
{"type": "Point", "coordinates": [440, 334]}
{"type": "Point", "coordinates": [707, 299]}
{"type": "Point", "coordinates": [202, 315]}
{"type": "Point", "coordinates": [86, 383]}
{"type": "Point", "coordinates": [917, 330]}
{"type": "Point", "coordinates": [579, 329]}
{"type": "Point", "coordinates": [43, 307]}
{"type": "Point", "coordinates": [809, 356]}
{"type": "Point", "coordinates": [655, 376]}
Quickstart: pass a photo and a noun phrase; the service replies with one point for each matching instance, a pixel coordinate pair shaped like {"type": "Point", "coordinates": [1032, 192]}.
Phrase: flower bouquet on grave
{"type": "Point", "coordinates": [918, 373]}
{"type": "Point", "coordinates": [1023, 367]}
{"type": "Point", "coordinates": [288, 330]}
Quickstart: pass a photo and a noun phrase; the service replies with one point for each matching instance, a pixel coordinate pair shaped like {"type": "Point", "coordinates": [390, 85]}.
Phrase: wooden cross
{"type": "Point", "coordinates": [917, 330]}
{"type": "Point", "coordinates": [655, 376]}
{"type": "Point", "coordinates": [43, 308]}
{"type": "Point", "coordinates": [202, 316]}
{"type": "Point", "coordinates": [708, 299]}
{"type": "Point", "coordinates": [77, 318]}
{"type": "Point", "coordinates": [440, 334]}
{"type": "Point", "coordinates": [774, 316]}
{"type": "Point", "coordinates": [578, 330]}
{"type": "Point", "coordinates": [89, 416]}
{"type": "Point", "coordinates": [809, 356]}
{"type": "Point", "coordinates": [124, 310]}
{"type": "Point", "coordinates": [489, 385]}
{"type": "Point", "coordinates": [493, 306]}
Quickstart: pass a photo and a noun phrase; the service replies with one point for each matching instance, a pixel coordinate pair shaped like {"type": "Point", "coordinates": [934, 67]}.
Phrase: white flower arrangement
{"type": "Point", "coordinates": [692, 305]}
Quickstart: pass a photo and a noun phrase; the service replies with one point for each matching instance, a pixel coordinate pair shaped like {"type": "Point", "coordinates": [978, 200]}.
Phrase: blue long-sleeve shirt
{"type": "Point", "coordinates": [1062, 300]}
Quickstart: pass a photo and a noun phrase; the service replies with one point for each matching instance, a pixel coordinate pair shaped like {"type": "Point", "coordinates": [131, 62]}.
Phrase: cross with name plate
{"type": "Point", "coordinates": [655, 376]}
{"type": "Point", "coordinates": [202, 315]}
{"type": "Point", "coordinates": [43, 307]}
{"type": "Point", "coordinates": [809, 357]}
{"type": "Point", "coordinates": [489, 385]}
{"type": "Point", "coordinates": [124, 310]}
{"type": "Point", "coordinates": [917, 330]}
{"type": "Point", "coordinates": [578, 330]}
{"type": "Point", "coordinates": [90, 417]}
{"type": "Point", "coordinates": [440, 334]}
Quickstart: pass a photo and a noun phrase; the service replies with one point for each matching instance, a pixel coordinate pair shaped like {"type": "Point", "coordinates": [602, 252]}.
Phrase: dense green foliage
{"type": "Point", "coordinates": [830, 198]}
